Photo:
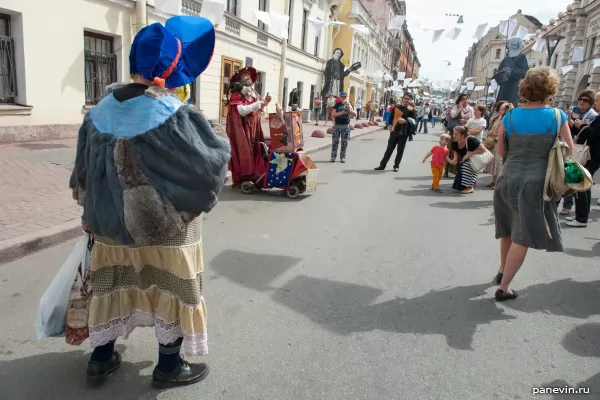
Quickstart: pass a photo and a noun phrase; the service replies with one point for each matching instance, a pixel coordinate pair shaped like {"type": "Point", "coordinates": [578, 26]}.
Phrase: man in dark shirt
{"type": "Point", "coordinates": [342, 112]}
{"type": "Point", "coordinates": [400, 130]}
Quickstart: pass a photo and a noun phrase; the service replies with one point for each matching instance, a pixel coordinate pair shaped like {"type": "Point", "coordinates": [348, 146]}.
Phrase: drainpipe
{"type": "Point", "coordinates": [141, 17]}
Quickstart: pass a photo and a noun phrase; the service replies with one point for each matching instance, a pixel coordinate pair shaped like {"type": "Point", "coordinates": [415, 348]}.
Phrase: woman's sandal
{"type": "Point", "coordinates": [499, 276]}
{"type": "Point", "coordinates": [501, 295]}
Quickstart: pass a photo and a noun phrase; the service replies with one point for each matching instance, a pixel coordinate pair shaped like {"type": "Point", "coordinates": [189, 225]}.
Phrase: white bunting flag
{"type": "Point", "coordinates": [172, 7]}
{"type": "Point", "coordinates": [480, 31]}
{"type": "Point", "coordinates": [437, 35]}
{"type": "Point", "coordinates": [453, 34]}
{"type": "Point", "coordinates": [261, 16]}
{"type": "Point", "coordinates": [470, 85]}
{"type": "Point", "coordinates": [539, 45]}
{"type": "Point", "coordinates": [507, 27]}
{"type": "Point", "coordinates": [577, 54]}
{"type": "Point", "coordinates": [317, 24]}
{"type": "Point", "coordinates": [401, 76]}
{"type": "Point", "coordinates": [280, 24]}
{"type": "Point", "coordinates": [566, 69]}
{"type": "Point", "coordinates": [214, 11]}
{"type": "Point", "coordinates": [596, 63]}
{"type": "Point", "coordinates": [397, 22]}
{"type": "Point", "coordinates": [522, 32]}
{"type": "Point", "coordinates": [478, 88]}
{"type": "Point", "coordinates": [360, 29]}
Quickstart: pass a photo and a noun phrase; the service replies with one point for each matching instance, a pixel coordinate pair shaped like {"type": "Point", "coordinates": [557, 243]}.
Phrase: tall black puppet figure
{"type": "Point", "coordinates": [511, 70]}
{"type": "Point", "coordinates": [333, 82]}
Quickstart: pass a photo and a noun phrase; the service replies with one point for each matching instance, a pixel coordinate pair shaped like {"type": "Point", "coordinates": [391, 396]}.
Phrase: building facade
{"type": "Point", "coordinates": [376, 51]}
{"type": "Point", "coordinates": [44, 93]}
{"type": "Point", "coordinates": [409, 62]}
{"type": "Point", "coordinates": [578, 26]}
{"type": "Point", "coordinates": [485, 56]}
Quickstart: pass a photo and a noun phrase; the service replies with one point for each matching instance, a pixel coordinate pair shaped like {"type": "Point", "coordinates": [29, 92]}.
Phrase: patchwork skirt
{"type": "Point", "coordinates": [150, 286]}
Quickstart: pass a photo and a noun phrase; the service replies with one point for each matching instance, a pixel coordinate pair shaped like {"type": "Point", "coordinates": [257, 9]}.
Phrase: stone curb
{"type": "Point", "coordinates": [15, 248]}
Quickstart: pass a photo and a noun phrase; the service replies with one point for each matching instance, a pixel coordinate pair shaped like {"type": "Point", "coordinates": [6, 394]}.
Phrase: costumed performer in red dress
{"type": "Point", "coordinates": [244, 129]}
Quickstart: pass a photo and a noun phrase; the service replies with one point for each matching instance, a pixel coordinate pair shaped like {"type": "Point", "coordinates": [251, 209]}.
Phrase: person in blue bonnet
{"type": "Point", "coordinates": [342, 112]}
{"type": "Point", "coordinates": [147, 167]}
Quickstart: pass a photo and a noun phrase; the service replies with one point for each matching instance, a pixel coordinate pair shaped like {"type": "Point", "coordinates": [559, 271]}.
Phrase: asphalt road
{"type": "Point", "coordinates": [372, 288]}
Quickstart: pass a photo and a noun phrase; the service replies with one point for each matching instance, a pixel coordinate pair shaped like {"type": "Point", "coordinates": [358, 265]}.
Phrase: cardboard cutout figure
{"type": "Point", "coordinates": [334, 74]}
{"type": "Point", "coordinates": [511, 70]}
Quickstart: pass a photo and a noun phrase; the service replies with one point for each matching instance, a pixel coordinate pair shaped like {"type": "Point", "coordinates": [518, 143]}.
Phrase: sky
{"type": "Point", "coordinates": [430, 14]}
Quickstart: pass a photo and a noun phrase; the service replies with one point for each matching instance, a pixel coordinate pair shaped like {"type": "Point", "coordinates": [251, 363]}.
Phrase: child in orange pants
{"type": "Point", "coordinates": [439, 154]}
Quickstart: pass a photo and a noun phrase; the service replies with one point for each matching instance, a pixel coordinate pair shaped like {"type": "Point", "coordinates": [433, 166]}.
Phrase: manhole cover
{"type": "Point", "coordinates": [42, 146]}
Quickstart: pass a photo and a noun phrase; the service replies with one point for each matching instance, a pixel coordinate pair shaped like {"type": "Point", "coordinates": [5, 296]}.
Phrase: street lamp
{"type": "Point", "coordinates": [552, 42]}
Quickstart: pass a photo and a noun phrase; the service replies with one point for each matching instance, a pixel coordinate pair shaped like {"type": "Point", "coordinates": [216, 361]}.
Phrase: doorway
{"type": "Point", "coordinates": [229, 67]}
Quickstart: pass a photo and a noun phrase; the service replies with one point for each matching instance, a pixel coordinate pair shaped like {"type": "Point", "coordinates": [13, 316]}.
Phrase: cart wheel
{"type": "Point", "coordinates": [292, 192]}
{"type": "Point", "coordinates": [247, 187]}
{"type": "Point", "coordinates": [301, 184]}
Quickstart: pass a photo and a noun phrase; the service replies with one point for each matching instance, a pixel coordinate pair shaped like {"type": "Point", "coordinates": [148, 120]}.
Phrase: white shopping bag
{"type": "Point", "coordinates": [50, 318]}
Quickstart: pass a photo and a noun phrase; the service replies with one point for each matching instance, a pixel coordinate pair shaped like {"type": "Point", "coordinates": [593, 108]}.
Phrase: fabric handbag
{"type": "Point", "coordinates": [76, 318]}
{"type": "Point", "coordinates": [479, 161]}
{"type": "Point", "coordinates": [581, 152]}
{"type": "Point", "coordinates": [555, 185]}
{"type": "Point", "coordinates": [453, 123]}
{"type": "Point", "coordinates": [489, 142]}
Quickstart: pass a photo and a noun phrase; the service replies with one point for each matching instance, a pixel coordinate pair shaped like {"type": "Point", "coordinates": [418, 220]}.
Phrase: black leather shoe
{"type": "Point", "coordinates": [185, 374]}
{"type": "Point", "coordinates": [498, 278]}
{"type": "Point", "coordinates": [98, 371]}
{"type": "Point", "coordinates": [501, 295]}
{"type": "Point", "coordinates": [380, 168]}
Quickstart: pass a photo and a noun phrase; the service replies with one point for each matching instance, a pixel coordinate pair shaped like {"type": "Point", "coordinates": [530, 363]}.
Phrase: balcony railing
{"type": "Point", "coordinates": [232, 26]}
{"type": "Point", "coordinates": [262, 39]}
{"type": "Point", "coordinates": [190, 7]}
{"type": "Point", "coordinates": [8, 76]}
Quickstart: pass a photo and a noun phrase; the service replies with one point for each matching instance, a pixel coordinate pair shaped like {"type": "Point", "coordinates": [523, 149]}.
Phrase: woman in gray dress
{"type": "Point", "coordinates": [523, 219]}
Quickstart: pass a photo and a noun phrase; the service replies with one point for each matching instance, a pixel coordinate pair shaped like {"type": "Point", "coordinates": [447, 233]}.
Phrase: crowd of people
{"type": "Point", "coordinates": [516, 142]}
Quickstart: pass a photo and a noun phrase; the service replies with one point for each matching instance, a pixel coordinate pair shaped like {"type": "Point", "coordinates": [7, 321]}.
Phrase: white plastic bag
{"type": "Point", "coordinates": [50, 318]}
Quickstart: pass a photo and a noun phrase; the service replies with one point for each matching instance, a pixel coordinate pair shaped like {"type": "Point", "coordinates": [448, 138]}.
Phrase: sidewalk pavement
{"type": "Point", "coordinates": [36, 206]}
